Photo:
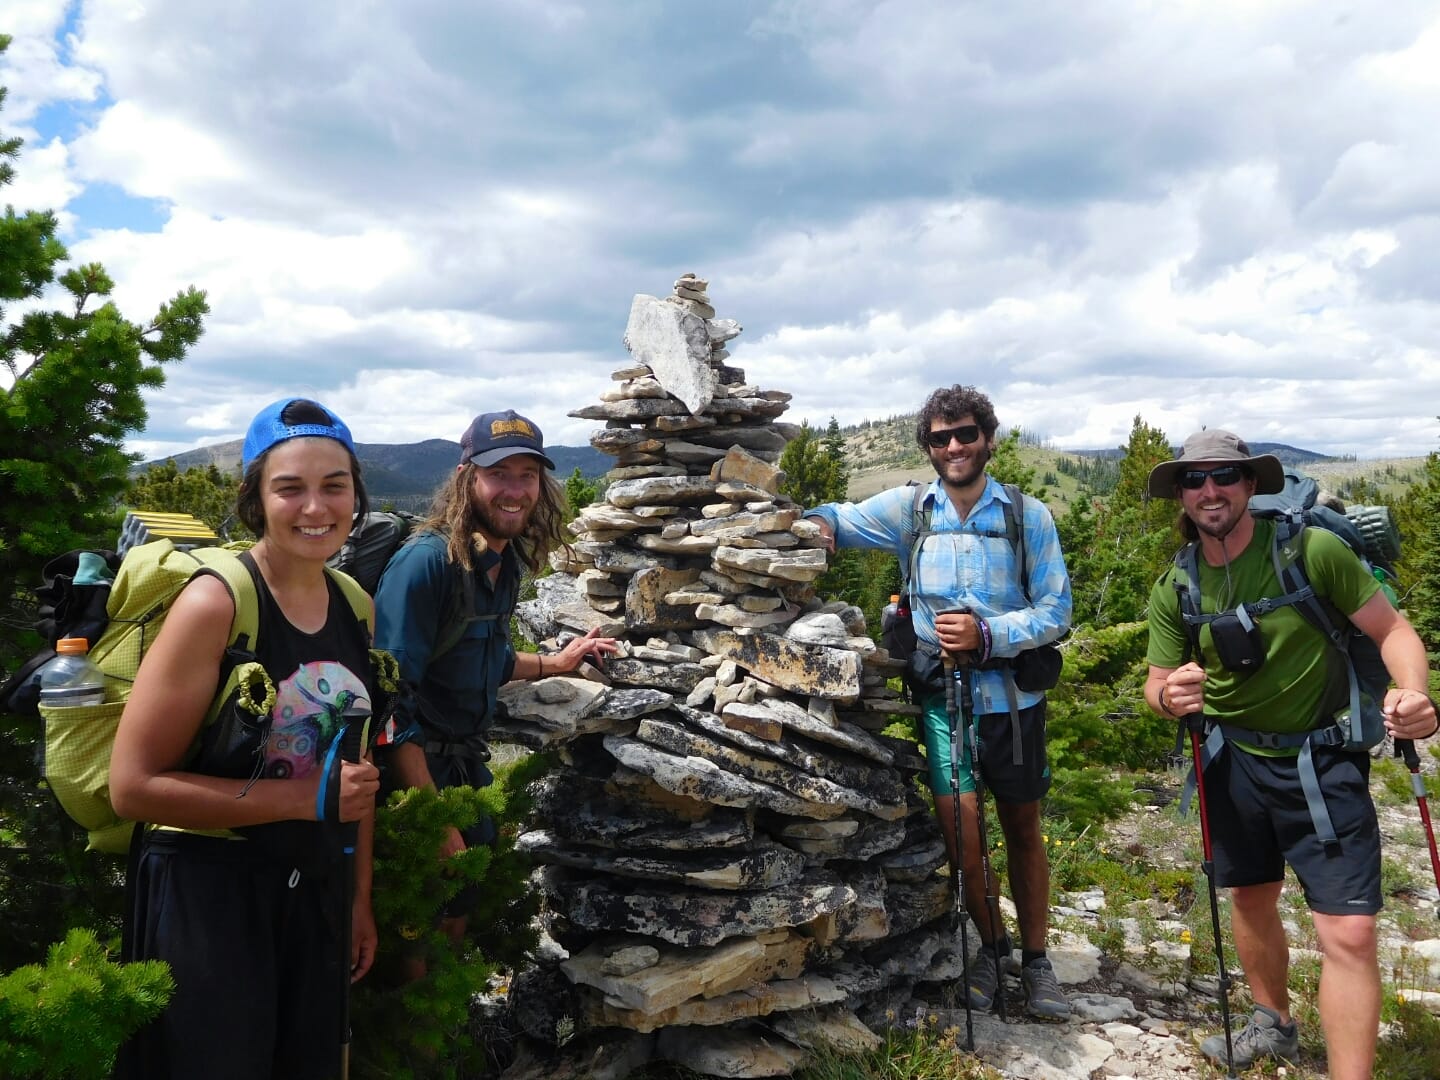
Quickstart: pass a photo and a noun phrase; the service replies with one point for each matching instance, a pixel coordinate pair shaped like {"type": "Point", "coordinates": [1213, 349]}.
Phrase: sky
{"type": "Point", "coordinates": [1222, 213]}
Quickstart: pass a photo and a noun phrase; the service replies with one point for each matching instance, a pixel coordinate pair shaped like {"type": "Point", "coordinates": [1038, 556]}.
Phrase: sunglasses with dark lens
{"type": "Point", "coordinates": [966, 433]}
{"type": "Point", "coordinates": [1224, 476]}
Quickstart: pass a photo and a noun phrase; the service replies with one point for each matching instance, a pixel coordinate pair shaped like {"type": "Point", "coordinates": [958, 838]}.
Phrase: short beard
{"type": "Point", "coordinates": [496, 530]}
{"type": "Point", "coordinates": [978, 464]}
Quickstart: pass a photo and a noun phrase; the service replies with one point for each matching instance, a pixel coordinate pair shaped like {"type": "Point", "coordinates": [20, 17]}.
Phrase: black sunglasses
{"type": "Point", "coordinates": [1224, 476]}
{"type": "Point", "coordinates": [966, 433]}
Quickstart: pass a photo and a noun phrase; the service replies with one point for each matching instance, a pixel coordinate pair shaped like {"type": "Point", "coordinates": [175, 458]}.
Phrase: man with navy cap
{"type": "Point", "coordinates": [499, 513]}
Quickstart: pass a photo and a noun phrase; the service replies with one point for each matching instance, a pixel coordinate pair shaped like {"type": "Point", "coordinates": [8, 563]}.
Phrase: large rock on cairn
{"type": "Point", "coordinates": [730, 837]}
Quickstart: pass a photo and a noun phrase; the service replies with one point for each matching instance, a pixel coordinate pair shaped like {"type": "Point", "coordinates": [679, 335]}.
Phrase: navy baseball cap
{"type": "Point", "coordinates": [268, 429]}
{"type": "Point", "coordinates": [495, 436]}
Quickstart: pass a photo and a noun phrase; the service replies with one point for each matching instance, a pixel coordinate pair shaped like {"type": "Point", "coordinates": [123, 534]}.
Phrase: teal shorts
{"type": "Point", "coordinates": [935, 725]}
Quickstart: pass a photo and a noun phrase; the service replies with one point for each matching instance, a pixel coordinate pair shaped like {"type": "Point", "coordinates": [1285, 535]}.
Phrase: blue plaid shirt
{"type": "Point", "coordinates": [960, 566]}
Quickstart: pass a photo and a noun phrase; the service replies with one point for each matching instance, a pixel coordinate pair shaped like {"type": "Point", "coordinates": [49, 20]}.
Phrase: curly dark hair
{"type": "Point", "coordinates": [452, 515]}
{"type": "Point", "coordinates": [952, 403]}
{"type": "Point", "coordinates": [249, 507]}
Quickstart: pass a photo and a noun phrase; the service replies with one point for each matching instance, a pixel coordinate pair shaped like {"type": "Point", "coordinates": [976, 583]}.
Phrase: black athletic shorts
{"type": "Point", "coordinates": [1259, 821]}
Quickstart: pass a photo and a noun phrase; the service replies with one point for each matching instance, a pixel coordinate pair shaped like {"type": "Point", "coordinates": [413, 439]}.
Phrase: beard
{"type": "Point", "coordinates": [503, 527]}
{"type": "Point", "coordinates": [974, 468]}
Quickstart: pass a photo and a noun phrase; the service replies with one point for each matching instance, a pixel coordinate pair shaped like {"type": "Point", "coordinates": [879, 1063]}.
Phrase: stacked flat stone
{"type": "Point", "coordinates": [730, 836]}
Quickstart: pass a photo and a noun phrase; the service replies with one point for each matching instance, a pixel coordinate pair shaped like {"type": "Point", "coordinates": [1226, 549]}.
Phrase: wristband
{"type": "Point", "coordinates": [1165, 705]}
{"type": "Point", "coordinates": [540, 665]}
{"type": "Point", "coordinates": [985, 642]}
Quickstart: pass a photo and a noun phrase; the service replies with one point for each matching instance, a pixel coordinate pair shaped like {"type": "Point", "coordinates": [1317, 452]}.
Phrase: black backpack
{"type": "Point", "coordinates": [375, 539]}
{"type": "Point", "coordinates": [65, 610]}
{"type": "Point", "coordinates": [1360, 726]}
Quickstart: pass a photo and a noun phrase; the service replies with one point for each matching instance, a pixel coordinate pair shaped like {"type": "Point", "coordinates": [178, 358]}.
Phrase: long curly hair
{"type": "Point", "coordinates": [951, 403]}
{"type": "Point", "coordinates": [452, 514]}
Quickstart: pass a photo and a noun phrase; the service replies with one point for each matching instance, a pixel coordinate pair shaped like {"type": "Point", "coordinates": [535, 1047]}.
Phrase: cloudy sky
{"type": "Point", "coordinates": [1223, 212]}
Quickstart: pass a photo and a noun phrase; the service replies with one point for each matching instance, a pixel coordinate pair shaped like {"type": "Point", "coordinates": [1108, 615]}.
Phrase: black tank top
{"type": "Point", "coordinates": [322, 682]}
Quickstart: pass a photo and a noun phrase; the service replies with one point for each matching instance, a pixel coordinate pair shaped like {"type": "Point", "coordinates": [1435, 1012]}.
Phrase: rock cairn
{"type": "Point", "coordinates": [736, 862]}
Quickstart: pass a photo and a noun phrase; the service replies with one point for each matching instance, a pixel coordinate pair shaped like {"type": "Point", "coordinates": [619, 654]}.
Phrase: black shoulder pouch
{"type": "Point", "coordinates": [1038, 669]}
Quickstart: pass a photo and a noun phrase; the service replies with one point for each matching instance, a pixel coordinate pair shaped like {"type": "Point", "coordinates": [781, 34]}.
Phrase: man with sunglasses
{"type": "Point", "coordinates": [1281, 675]}
{"type": "Point", "coordinates": [964, 559]}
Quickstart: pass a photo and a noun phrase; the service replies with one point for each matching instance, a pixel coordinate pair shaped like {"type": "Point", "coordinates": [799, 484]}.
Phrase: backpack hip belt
{"type": "Point", "coordinates": [1217, 735]}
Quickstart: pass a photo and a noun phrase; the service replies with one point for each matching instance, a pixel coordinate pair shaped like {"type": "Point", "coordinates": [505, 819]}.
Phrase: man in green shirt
{"type": "Point", "coordinates": [1259, 818]}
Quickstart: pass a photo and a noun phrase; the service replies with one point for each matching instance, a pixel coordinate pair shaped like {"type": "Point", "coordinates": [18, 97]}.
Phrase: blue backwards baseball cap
{"type": "Point", "coordinates": [268, 429]}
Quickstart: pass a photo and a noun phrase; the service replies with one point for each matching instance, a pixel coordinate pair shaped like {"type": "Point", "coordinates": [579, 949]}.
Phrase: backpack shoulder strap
{"type": "Point", "coordinates": [1015, 533]}
{"type": "Point", "coordinates": [1287, 552]}
{"type": "Point", "coordinates": [459, 610]}
{"type": "Point", "coordinates": [912, 535]}
{"type": "Point", "coordinates": [226, 565]}
{"type": "Point", "coordinates": [356, 596]}
{"type": "Point", "coordinates": [1186, 578]}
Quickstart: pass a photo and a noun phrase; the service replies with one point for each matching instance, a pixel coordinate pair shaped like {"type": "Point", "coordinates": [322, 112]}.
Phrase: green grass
{"type": "Point", "coordinates": [923, 1051]}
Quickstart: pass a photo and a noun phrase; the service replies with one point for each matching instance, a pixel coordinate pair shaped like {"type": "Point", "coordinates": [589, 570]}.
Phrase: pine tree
{"type": "Point", "coordinates": [1418, 516]}
{"type": "Point", "coordinates": [203, 492]}
{"type": "Point", "coordinates": [1008, 467]}
{"type": "Point", "coordinates": [579, 492]}
{"type": "Point", "coordinates": [1115, 556]}
{"type": "Point", "coordinates": [813, 474]}
{"type": "Point", "coordinates": [77, 377]}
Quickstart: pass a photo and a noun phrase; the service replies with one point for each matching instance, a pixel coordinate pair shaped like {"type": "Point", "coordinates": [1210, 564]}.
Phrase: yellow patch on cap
{"type": "Point", "coordinates": [501, 428]}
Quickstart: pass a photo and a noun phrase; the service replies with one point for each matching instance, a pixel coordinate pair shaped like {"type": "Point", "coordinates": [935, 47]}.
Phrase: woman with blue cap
{"type": "Point", "coordinates": [238, 878]}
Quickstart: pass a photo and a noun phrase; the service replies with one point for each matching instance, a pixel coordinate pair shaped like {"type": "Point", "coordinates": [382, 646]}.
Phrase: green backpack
{"type": "Point", "coordinates": [78, 739]}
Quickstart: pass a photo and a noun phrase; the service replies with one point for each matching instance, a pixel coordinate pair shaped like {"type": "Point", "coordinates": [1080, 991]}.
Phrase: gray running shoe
{"type": "Point", "coordinates": [1044, 1000]}
{"type": "Point", "coordinates": [985, 976]}
{"type": "Point", "coordinates": [1261, 1037]}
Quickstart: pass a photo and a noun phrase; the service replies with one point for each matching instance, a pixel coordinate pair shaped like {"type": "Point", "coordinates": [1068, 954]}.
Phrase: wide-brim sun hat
{"type": "Point", "coordinates": [268, 429]}
{"type": "Point", "coordinates": [1216, 447]}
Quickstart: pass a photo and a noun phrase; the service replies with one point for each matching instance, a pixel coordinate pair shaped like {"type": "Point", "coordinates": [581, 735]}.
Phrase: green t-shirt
{"type": "Point", "coordinates": [1303, 677]}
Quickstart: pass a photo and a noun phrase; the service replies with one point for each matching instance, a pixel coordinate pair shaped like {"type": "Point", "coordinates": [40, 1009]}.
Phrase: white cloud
{"type": "Point", "coordinates": [1199, 212]}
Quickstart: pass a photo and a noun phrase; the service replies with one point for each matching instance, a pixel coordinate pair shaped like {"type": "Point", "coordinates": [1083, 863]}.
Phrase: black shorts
{"type": "Point", "coordinates": [1259, 821]}
{"type": "Point", "coordinates": [1008, 782]}
{"type": "Point", "coordinates": [254, 947]}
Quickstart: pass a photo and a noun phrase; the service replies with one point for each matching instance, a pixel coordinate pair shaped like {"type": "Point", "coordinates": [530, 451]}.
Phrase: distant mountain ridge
{"type": "Point", "coordinates": [405, 474]}
{"type": "Point", "coordinates": [1290, 456]}
{"type": "Point", "coordinates": [890, 443]}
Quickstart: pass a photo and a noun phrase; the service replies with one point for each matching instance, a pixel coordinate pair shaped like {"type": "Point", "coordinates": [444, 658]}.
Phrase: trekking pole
{"type": "Point", "coordinates": [352, 738]}
{"type": "Point", "coordinates": [1194, 723]}
{"type": "Point", "coordinates": [992, 896]}
{"type": "Point", "coordinates": [1405, 748]}
{"type": "Point", "coordinates": [957, 872]}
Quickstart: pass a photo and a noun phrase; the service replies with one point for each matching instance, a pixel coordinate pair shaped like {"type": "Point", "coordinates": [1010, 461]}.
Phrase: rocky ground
{"type": "Point", "coordinates": [1140, 1006]}
{"type": "Point", "coordinates": [1141, 1011]}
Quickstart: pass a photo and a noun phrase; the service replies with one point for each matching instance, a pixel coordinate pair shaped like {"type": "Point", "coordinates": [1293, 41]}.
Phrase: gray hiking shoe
{"type": "Point", "coordinates": [1261, 1037]}
{"type": "Point", "coordinates": [985, 976]}
{"type": "Point", "coordinates": [1044, 1000]}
